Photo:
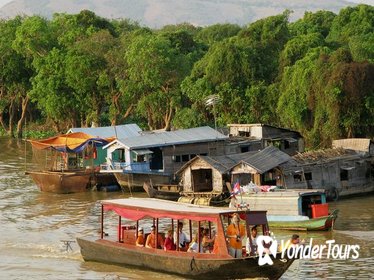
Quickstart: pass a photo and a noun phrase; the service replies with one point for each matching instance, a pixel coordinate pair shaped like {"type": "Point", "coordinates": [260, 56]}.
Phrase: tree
{"type": "Point", "coordinates": [217, 32]}
{"type": "Point", "coordinates": [352, 21]}
{"type": "Point", "coordinates": [155, 69]}
{"type": "Point", "coordinates": [319, 22]}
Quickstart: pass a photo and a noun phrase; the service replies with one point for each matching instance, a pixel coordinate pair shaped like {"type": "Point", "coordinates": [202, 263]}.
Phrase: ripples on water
{"type": "Point", "coordinates": [33, 225]}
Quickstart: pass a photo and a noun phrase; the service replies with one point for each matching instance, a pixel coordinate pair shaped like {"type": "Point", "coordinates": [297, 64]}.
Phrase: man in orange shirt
{"type": "Point", "coordinates": [140, 239]}
{"type": "Point", "coordinates": [235, 234]}
{"type": "Point", "coordinates": [151, 239]}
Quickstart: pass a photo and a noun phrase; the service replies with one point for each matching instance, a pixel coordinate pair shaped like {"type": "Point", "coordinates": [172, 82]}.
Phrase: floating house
{"type": "Point", "coordinates": [108, 132]}
{"type": "Point", "coordinates": [258, 136]}
{"type": "Point", "coordinates": [156, 155]}
{"type": "Point", "coordinates": [346, 169]}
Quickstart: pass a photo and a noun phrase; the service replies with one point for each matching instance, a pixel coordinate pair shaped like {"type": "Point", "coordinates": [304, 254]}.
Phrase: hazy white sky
{"type": "Point", "coordinates": [370, 2]}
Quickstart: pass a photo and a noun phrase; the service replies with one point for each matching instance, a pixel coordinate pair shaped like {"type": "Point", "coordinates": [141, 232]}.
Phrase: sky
{"type": "Point", "coordinates": [370, 2]}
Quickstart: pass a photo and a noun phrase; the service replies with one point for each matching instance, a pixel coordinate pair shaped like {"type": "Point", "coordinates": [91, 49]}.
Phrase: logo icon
{"type": "Point", "coordinates": [266, 246]}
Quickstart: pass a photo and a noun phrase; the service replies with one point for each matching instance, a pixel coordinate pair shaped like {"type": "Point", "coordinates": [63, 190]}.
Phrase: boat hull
{"type": "Point", "coordinates": [204, 266]}
{"type": "Point", "coordinates": [69, 181]}
{"type": "Point", "coordinates": [320, 223]}
{"type": "Point", "coordinates": [167, 192]}
{"type": "Point", "coordinates": [135, 181]}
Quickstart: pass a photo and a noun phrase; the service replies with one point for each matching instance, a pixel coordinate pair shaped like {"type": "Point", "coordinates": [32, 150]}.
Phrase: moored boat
{"type": "Point", "coordinates": [68, 163]}
{"type": "Point", "coordinates": [168, 192]}
{"type": "Point", "coordinates": [121, 248]}
{"type": "Point", "coordinates": [290, 209]}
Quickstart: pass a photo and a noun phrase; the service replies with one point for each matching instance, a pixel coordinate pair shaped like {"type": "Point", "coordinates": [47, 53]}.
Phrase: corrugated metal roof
{"type": "Point", "coordinates": [220, 163]}
{"type": "Point", "coordinates": [177, 137]}
{"type": "Point", "coordinates": [118, 131]}
{"type": "Point", "coordinates": [267, 159]}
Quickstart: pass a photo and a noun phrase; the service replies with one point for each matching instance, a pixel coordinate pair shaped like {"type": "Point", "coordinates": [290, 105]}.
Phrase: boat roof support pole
{"type": "Point", "coordinates": [119, 229]}
{"type": "Point", "coordinates": [190, 224]}
{"type": "Point", "coordinates": [177, 241]}
{"type": "Point", "coordinates": [102, 221]}
{"type": "Point", "coordinates": [156, 233]}
{"type": "Point", "coordinates": [199, 237]}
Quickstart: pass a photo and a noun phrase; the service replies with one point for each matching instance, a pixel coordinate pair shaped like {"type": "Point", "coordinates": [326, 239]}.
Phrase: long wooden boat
{"type": "Point", "coordinates": [163, 214]}
{"type": "Point", "coordinates": [134, 180]}
{"type": "Point", "coordinates": [71, 181]}
{"type": "Point", "coordinates": [320, 223]}
{"type": "Point", "coordinates": [61, 182]}
{"type": "Point", "coordinates": [291, 209]}
{"type": "Point", "coordinates": [168, 192]}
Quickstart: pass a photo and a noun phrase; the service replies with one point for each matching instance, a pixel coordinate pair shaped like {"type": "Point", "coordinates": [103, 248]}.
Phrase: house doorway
{"type": "Point", "coordinates": [202, 180]}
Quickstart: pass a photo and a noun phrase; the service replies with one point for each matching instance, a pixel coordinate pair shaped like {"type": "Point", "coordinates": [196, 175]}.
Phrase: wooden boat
{"type": "Point", "coordinates": [168, 192]}
{"type": "Point", "coordinates": [61, 182]}
{"type": "Point", "coordinates": [66, 164]}
{"type": "Point", "coordinates": [291, 209]}
{"type": "Point", "coordinates": [134, 180]}
{"type": "Point", "coordinates": [163, 214]}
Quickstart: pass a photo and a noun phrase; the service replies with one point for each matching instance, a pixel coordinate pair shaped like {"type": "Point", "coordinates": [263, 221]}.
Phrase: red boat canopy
{"type": "Point", "coordinates": [138, 208]}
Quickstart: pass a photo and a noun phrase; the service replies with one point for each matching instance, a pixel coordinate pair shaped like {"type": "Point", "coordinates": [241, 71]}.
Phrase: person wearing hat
{"type": "Point", "coordinates": [140, 238]}
{"type": "Point", "coordinates": [151, 239]}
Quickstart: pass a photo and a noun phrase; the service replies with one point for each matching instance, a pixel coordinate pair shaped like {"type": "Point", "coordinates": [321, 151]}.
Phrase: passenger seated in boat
{"type": "Point", "coordinates": [183, 240]}
{"type": "Point", "coordinates": [235, 233]}
{"type": "Point", "coordinates": [194, 245]}
{"type": "Point", "coordinates": [140, 238]}
{"type": "Point", "coordinates": [169, 242]}
{"type": "Point", "coordinates": [253, 237]}
{"type": "Point", "coordinates": [151, 239]}
{"type": "Point", "coordinates": [207, 242]}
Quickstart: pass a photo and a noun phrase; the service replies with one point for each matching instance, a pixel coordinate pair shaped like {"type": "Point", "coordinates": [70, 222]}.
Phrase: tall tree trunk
{"type": "Point", "coordinates": [4, 126]}
{"type": "Point", "coordinates": [11, 116]}
{"type": "Point", "coordinates": [167, 117]}
{"type": "Point", "coordinates": [25, 102]}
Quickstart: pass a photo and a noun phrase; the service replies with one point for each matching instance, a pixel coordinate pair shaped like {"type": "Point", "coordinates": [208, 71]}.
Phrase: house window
{"type": "Point", "coordinates": [286, 144]}
{"type": "Point", "coordinates": [192, 156]}
{"type": "Point", "coordinates": [177, 158]}
{"type": "Point", "coordinates": [308, 176]}
{"type": "Point", "coordinates": [244, 149]}
{"type": "Point", "coordinates": [297, 178]}
{"type": "Point", "coordinates": [244, 133]}
{"type": "Point", "coordinates": [185, 158]}
{"type": "Point", "coordinates": [343, 175]}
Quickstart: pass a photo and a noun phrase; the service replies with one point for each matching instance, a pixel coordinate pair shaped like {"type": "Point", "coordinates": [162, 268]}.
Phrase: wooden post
{"type": "Point", "coordinates": [102, 221]}
{"type": "Point", "coordinates": [177, 241]}
{"type": "Point", "coordinates": [119, 229]}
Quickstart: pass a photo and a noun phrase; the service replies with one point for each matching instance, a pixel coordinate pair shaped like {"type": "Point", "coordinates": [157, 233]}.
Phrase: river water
{"type": "Point", "coordinates": [33, 226]}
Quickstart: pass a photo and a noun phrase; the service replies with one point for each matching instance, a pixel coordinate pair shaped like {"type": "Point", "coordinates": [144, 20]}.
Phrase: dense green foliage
{"type": "Point", "coordinates": [315, 75]}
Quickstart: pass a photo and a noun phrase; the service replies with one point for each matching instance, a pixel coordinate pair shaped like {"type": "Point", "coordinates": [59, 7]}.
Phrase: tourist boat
{"type": "Point", "coordinates": [68, 164]}
{"type": "Point", "coordinates": [168, 192]}
{"type": "Point", "coordinates": [120, 248]}
{"type": "Point", "coordinates": [290, 209]}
